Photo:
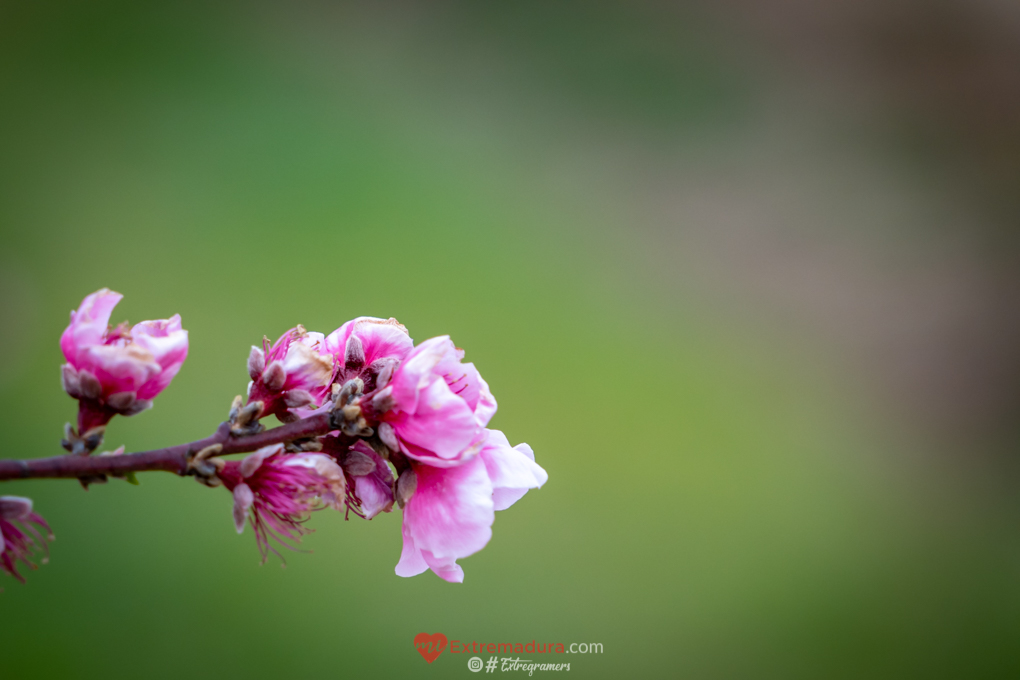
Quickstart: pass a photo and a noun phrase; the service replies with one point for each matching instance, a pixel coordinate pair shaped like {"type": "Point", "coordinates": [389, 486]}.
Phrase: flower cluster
{"type": "Point", "coordinates": [371, 422]}
{"type": "Point", "coordinates": [421, 409]}
{"type": "Point", "coordinates": [294, 373]}
{"type": "Point", "coordinates": [18, 537]}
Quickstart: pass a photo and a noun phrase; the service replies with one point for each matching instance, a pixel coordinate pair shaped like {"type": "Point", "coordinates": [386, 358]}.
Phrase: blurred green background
{"type": "Point", "coordinates": [743, 274]}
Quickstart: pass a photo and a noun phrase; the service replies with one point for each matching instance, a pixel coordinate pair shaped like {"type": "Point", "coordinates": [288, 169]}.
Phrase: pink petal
{"type": "Point", "coordinates": [380, 338]}
{"type": "Point", "coordinates": [411, 561]}
{"type": "Point", "coordinates": [445, 568]}
{"type": "Point", "coordinates": [307, 368]}
{"type": "Point", "coordinates": [465, 382]}
{"type": "Point", "coordinates": [451, 512]}
{"type": "Point", "coordinates": [119, 368]}
{"type": "Point", "coordinates": [442, 424]}
{"type": "Point", "coordinates": [486, 407]}
{"type": "Point", "coordinates": [417, 371]}
{"type": "Point", "coordinates": [89, 323]}
{"type": "Point", "coordinates": [169, 351]}
{"type": "Point", "coordinates": [512, 470]}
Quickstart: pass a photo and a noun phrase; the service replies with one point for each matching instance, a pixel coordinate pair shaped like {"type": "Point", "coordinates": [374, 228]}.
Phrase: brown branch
{"type": "Point", "coordinates": [170, 459]}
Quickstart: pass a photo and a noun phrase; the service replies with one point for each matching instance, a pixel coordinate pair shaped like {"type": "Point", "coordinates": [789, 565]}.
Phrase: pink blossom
{"type": "Point", "coordinates": [276, 491]}
{"type": "Point", "coordinates": [18, 538]}
{"type": "Point", "coordinates": [117, 370]}
{"type": "Point", "coordinates": [435, 408]}
{"type": "Point", "coordinates": [450, 514]}
{"type": "Point", "coordinates": [294, 373]}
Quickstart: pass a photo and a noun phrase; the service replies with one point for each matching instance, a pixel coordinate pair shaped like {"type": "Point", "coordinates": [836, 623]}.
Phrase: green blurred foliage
{"type": "Point", "coordinates": [718, 506]}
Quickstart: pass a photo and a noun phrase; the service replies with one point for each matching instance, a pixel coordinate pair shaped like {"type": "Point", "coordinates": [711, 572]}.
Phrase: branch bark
{"type": "Point", "coordinates": [170, 459]}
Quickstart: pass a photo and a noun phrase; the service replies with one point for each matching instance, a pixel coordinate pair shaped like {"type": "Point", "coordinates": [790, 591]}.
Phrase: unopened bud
{"type": "Point", "coordinates": [354, 353]}
{"type": "Point", "coordinates": [69, 437]}
{"type": "Point", "coordinates": [207, 452]}
{"type": "Point", "coordinates": [93, 437]}
{"type": "Point", "coordinates": [406, 486]}
{"type": "Point", "coordinates": [69, 380]}
{"type": "Point", "coordinates": [256, 362]}
{"type": "Point", "coordinates": [298, 398]}
{"type": "Point", "coordinates": [357, 464]}
{"type": "Point", "coordinates": [205, 467]}
{"type": "Point", "coordinates": [89, 385]}
{"type": "Point", "coordinates": [274, 376]}
{"type": "Point", "coordinates": [245, 421]}
{"type": "Point", "coordinates": [235, 408]}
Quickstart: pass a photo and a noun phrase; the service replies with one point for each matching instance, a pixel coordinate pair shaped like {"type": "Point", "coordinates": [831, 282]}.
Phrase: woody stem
{"type": "Point", "coordinates": [170, 459]}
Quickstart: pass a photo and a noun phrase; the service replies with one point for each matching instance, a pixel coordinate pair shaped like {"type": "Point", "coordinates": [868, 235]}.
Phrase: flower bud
{"type": "Point", "coordinates": [104, 362]}
{"type": "Point", "coordinates": [296, 374]}
{"type": "Point", "coordinates": [276, 491]}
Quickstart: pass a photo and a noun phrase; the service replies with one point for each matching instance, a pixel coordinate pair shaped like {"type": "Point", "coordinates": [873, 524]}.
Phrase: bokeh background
{"type": "Point", "coordinates": [744, 274]}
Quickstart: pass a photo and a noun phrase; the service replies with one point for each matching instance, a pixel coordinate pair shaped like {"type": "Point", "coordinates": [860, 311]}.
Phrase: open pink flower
{"type": "Point", "coordinates": [451, 511]}
{"type": "Point", "coordinates": [276, 491]}
{"type": "Point", "coordinates": [117, 370]}
{"type": "Point", "coordinates": [294, 373]}
{"type": "Point", "coordinates": [18, 538]}
{"type": "Point", "coordinates": [364, 347]}
{"type": "Point", "coordinates": [435, 408]}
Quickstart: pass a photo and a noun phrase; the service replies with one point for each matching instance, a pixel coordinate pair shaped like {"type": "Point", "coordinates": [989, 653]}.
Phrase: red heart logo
{"type": "Point", "coordinates": [430, 646]}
